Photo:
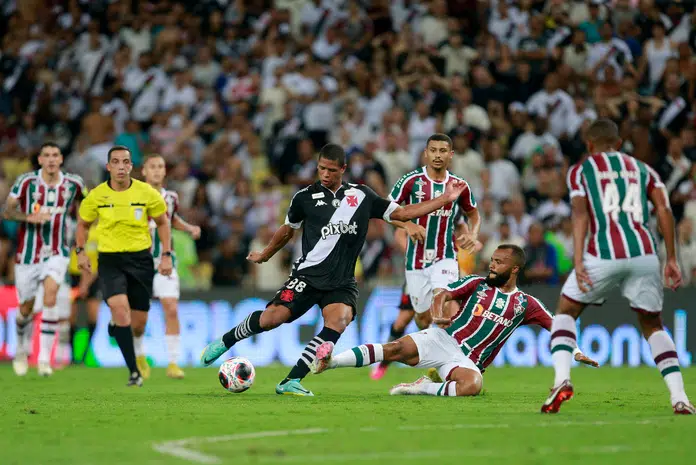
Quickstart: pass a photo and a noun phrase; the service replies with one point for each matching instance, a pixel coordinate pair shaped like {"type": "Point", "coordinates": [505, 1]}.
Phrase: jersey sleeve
{"type": "Point", "coordinates": [88, 208]}
{"type": "Point", "coordinates": [175, 203]}
{"type": "Point", "coordinates": [654, 181]}
{"type": "Point", "coordinates": [537, 314]}
{"type": "Point", "coordinates": [19, 188]}
{"type": "Point", "coordinates": [574, 181]}
{"type": "Point", "coordinates": [296, 214]}
{"type": "Point", "coordinates": [402, 189]}
{"type": "Point", "coordinates": [466, 201]}
{"type": "Point", "coordinates": [156, 206]}
{"type": "Point", "coordinates": [379, 206]}
{"type": "Point", "coordinates": [465, 287]}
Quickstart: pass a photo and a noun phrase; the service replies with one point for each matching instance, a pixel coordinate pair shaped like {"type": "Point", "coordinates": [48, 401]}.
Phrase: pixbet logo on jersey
{"type": "Point", "coordinates": [339, 228]}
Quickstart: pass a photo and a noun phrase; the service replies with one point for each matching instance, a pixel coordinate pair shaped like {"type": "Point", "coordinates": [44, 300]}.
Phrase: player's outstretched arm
{"type": "Point", "coordinates": [11, 212]}
{"type": "Point", "coordinates": [192, 230]}
{"type": "Point", "coordinates": [279, 240]}
{"type": "Point", "coordinates": [665, 221]}
{"type": "Point", "coordinates": [416, 210]}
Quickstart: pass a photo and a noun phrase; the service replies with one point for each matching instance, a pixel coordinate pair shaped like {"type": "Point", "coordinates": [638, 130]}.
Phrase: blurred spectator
{"type": "Point", "coordinates": [504, 178]}
{"type": "Point", "coordinates": [271, 275]}
{"type": "Point", "coordinates": [542, 264]}
{"type": "Point", "coordinates": [519, 220]}
{"type": "Point", "coordinates": [551, 212]}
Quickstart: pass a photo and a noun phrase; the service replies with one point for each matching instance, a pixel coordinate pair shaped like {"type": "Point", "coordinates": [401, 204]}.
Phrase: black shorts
{"type": "Point", "coordinates": [129, 273]}
{"type": "Point", "coordinates": [299, 296]}
{"type": "Point", "coordinates": [93, 292]}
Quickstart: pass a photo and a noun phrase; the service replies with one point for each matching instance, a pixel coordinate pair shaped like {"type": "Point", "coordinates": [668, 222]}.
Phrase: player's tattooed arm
{"type": "Point", "coordinates": [11, 212]}
{"type": "Point", "coordinates": [440, 298]}
{"type": "Point", "coordinates": [179, 224]}
{"type": "Point", "coordinates": [279, 240]}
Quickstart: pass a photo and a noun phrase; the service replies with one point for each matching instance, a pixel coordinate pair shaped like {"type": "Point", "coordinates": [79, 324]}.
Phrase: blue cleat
{"type": "Point", "coordinates": [212, 352]}
{"type": "Point", "coordinates": [293, 388]}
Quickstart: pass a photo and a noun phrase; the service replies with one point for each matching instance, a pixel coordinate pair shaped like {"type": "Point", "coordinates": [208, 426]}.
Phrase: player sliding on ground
{"type": "Point", "coordinates": [609, 195]}
{"type": "Point", "coordinates": [463, 346]}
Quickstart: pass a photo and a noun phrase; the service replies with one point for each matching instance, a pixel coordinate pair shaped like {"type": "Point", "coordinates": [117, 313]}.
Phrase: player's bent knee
{"type": "Point", "coordinates": [470, 388]}
{"type": "Point", "coordinates": [26, 308]}
{"type": "Point", "coordinates": [423, 320]}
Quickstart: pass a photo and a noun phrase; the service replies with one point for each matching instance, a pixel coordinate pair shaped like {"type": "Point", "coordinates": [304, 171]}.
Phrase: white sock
{"type": "Point", "coordinates": [23, 327]}
{"type": "Point", "coordinates": [664, 353]}
{"type": "Point", "coordinates": [360, 356]}
{"type": "Point", "coordinates": [563, 342]}
{"type": "Point", "coordinates": [138, 344]}
{"type": "Point", "coordinates": [49, 325]}
{"type": "Point", "coordinates": [173, 343]}
{"type": "Point", "coordinates": [438, 389]}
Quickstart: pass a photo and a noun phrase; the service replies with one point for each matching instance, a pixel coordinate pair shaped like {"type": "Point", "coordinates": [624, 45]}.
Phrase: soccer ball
{"type": "Point", "coordinates": [237, 374]}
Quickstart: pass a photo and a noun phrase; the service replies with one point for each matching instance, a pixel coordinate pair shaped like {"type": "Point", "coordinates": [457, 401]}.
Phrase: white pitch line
{"type": "Point", "coordinates": [182, 448]}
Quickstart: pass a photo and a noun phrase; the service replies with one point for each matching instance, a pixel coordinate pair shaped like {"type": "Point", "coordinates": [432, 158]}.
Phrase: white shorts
{"type": "Point", "coordinates": [639, 278]}
{"type": "Point", "coordinates": [28, 278]}
{"type": "Point", "coordinates": [437, 349]}
{"type": "Point", "coordinates": [422, 283]}
{"type": "Point", "coordinates": [166, 286]}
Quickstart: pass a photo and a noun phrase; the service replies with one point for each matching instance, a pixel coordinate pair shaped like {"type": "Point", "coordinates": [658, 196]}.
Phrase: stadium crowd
{"type": "Point", "coordinates": [239, 95]}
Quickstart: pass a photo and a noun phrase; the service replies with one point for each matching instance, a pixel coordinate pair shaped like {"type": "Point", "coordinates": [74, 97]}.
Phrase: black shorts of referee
{"type": "Point", "coordinates": [129, 273]}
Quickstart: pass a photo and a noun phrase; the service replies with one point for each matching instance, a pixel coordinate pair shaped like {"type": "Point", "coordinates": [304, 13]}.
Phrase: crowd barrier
{"type": "Point", "coordinates": [608, 333]}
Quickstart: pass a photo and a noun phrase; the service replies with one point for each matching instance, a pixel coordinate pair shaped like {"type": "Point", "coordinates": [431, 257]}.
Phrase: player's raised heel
{"type": "Point", "coordinates": [20, 365]}
{"type": "Point", "coordinates": [682, 408]}
{"type": "Point", "coordinates": [143, 366]}
{"type": "Point", "coordinates": [45, 369]}
{"type": "Point", "coordinates": [212, 352]}
{"type": "Point", "coordinates": [559, 394]}
{"type": "Point", "coordinates": [323, 359]}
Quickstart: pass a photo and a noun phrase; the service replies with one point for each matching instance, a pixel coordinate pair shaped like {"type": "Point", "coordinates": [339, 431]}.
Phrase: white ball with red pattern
{"type": "Point", "coordinates": [237, 374]}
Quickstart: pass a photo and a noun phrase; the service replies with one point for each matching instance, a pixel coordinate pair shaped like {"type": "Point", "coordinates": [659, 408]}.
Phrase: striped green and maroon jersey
{"type": "Point", "coordinates": [487, 317]}
{"type": "Point", "coordinates": [171, 198]}
{"type": "Point", "coordinates": [439, 225]}
{"type": "Point", "coordinates": [36, 243]}
{"type": "Point", "coordinates": [617, 188]}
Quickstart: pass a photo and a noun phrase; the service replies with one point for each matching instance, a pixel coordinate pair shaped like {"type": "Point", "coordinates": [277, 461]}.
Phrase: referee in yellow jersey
{"type": "Point", "coordinates": [124, 207]}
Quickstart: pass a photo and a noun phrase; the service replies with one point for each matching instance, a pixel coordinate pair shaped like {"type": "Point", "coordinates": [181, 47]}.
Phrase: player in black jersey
{"type": "Point", "coordinates": [335, 217]}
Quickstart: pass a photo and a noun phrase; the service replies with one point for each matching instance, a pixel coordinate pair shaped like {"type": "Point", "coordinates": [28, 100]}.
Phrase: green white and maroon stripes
{"type": "Point", "coordinates": [667, 362]}
{"type": "Point", "coordinates": [615, 183]}
{"type": "Point", "coordinates": [364, 355]}
{"type": "Point", "coordinates": [172, 201]}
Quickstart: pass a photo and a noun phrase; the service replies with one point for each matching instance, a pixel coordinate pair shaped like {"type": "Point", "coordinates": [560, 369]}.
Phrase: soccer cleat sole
{"type": "Point", "coordinates": [681, 408]}
{"type": "Point", "coordinates": [564, 394]}
{"type": "Point", "coordinates": [323, 357]}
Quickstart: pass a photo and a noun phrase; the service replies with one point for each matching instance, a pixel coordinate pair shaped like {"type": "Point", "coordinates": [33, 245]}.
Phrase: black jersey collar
{"type": "Point", "coordinates": [344, 185]}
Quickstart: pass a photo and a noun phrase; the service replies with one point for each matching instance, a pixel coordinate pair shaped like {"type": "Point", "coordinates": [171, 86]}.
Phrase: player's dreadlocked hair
{"type": "Point", "coordinates": [333, 152]}
{"type": "Point", "coordinates": [603, 132]}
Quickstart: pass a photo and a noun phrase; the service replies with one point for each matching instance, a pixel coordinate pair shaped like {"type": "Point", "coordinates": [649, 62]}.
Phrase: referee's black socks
{"type": "Point", "coordinates": [309, 354]}
{"type": "Point", "coordinates": [124, 339]}
{"type": "Point", "coordinates": [250, 326]}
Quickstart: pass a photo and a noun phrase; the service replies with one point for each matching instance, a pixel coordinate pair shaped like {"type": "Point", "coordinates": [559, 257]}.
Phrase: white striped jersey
{"type": "Point", "coordinates": [171, 198]}
{"type": "Point", "coordinates": [487, 317]}
{"type": "Point", "coordinates": [36, 243]}
{"type": "Point", "coordinates": [617, 188]}
{"type": "Point", "coordinates": [416, 187]}
{"type": "Point", "coordinates": [334, 227]}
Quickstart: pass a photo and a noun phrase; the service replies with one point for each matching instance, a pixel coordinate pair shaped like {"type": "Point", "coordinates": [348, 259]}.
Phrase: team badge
{"type": "Point", "coordinates": [437, 194]}
{"type": "Point", "coordinates": [420, 183]}
{"type": "Point", "coordinates": [51, 196]}
{"type": "Point", "coordinates": [420, 195]}
{"type": "Point", "coordinates": [287, 295]}
{"type": "Point", "coordinates": [36, 195]}
{"type": "Point", "coordinates": [520, 302]}
{"type": "Point", "coordinates": [335, 203]}
{"type": "Point", "coordinates": [500, 303]}
{"type": "Point", "coordinates": [66, 194]}
{"type": "Point", "coordinates": [138, 213]}
{"type": "Point", "coordinates": [352, 200]}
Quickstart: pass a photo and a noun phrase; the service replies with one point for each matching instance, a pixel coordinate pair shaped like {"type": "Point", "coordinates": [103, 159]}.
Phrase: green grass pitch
{"type": "Point", "coordinates": [83, 416]}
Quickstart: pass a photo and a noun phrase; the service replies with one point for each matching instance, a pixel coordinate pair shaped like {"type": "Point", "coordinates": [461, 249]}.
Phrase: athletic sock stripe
{"type": "Point", "coordinates": [371, 353]}
{"type": "Point", "coordinates": [50, 322]}
{"type": "Point", "coordinates": [307, 358]}
{"type": "Point", "coordinates": [665, 355]}
{"type": "Point", "coordinates": [561, 347]}
{"type": "Point", "coordinates": [358, 356]}
{"type": "Point", "coordinates": [439, 391]}
{"type": "Point", "coordinates": [48, 331]}
{"type": "Point", "coordinates": [563, 333]}
{"type": "Point", "coordinates": [447, 385]}
{"type": "Point", "coordinates": [311, 351]}
{"type": "Point", "coordinates": [668, 370]}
